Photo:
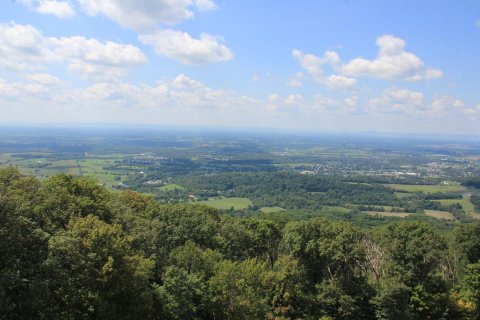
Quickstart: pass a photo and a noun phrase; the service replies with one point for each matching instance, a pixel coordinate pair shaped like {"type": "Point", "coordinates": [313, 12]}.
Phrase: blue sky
{"type": "Point", "coordinates": [323, 65]}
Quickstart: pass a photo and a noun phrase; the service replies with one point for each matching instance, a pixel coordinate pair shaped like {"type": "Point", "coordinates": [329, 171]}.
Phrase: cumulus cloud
{"type": "Point", "coordinates": [443, 104]}
{"type": "Point", "coordinates": [44, 79]}
{"type": "Point", "coordinates": [473, 111]}
{"type": "Point", "coordinates": [205, 5]}
{"type": "Point", "coordinates": [398, 100]}
{"type": "Point", "coordinates": [296, 80]}
{"type": "Point", "coordinates": [392, 63]}
{"type": "Point", "coordinates": [314, 66]}
{"type": "Point", "coordinates": [319, 105]}
{"type": "Point", "coordinates": [61, 9]}
{"type": "Point", "coordinates": [22, 47]}
{"type": "Point", "coordinates": [185, 49]}
{"type": "Point", "coordinates": [145, 14]}
{"type": "Point", "coordinates": [96, 59]}
{"type": "Point", "coordinates": [293, 99]}
{"type": "Point", "coordinates": [404, 101]}
{"type": "Point", "coordinates": [39, 86]}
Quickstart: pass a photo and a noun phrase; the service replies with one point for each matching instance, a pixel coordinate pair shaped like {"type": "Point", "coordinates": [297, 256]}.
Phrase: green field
{"type": "Point", "coordinates": [467, 206]}
{"type": "Point", "coordinates": [171, 187]}
{"type": "Point", "coordinates": [334, 209]}
{"type": "Point", "coordinates": [95, 167]}
{"type": "Point", "coordinates": [441, 215]}
{"type": "Point", "coordinates": [402, 195]}
{"type": "Point", "coordinates": [227, 203]}
{"type": "Point", "coordinates": [388, 214]}
{"type": "Point", "coordinates": [426, 188]}
{"type": "Point", "coordinates": [44, 167]}
{"type": "Point", "coordinates": [271, 209]}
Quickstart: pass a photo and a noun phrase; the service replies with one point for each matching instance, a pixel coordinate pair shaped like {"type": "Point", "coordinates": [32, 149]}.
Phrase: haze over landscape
{"type": "Point", "coordinates": [403, 66]}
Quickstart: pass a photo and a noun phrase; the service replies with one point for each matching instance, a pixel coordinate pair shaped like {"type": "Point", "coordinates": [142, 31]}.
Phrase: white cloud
{"type": "Point", "coordinates": [403, 101]}
{"type": "Point", "coordinates": [44, 79]}
{"type": "Point", "coordinates": [477, 23]}
{"type": "Point", "coordinates": [331, 106]}
{"type": "Point", "coordinates": [145, 14]}
{"type": "Point", "coordinates": [293, 99]}
{"type": "Point", "coordinates": [296, 80]}
{"type": "Point", "coordinates": [183, 100]}
{"type": "Point", "coordinates": [22, 47]}
{"type": "Point", "coordinates": [302, 107]}
{"type": "Point", "coordinates": [205, 5]}
{"type": "Point", "coordinates": [391, 63]}
{"type": "Point", "coordinates": [59, 8]}
{"type": "Point", "coordinates": [96, 59]}
{"type": "Point", "coordinates": [398, 100]}
{"type": "Point", "coordinates": [337, 82]}
{"type": "Point", "coordinates": [444, 104]}
{"type": "Point", "coordinates": [185, 49]}
{"type": "Point", "coordinates": [351, 101]}
{"type": "Point", "coordinates": [178, 98]}
{"type": "Point", "coordinates": [41, 86]}
{"type": "Point", "coordinates": [473, 111]}
{"type": "Point", "coordinates": [314, 65]}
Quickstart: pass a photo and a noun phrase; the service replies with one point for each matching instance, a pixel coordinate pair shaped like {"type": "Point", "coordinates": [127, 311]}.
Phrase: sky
{"type": "Point", "coordinates": [307, 65]}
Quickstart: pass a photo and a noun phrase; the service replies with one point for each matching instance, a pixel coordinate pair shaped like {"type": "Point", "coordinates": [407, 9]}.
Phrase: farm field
{"type": "Point", "coordinates": [467, 206]}
{"type": "Point", "coordinates": [388, 214]}
{"type": "Point", "coordinates": [271, 209]}
{"type": "Point", "coordinates": [171, 187]}
{"type": "Point", "coordinates": [402, 195]}
{"type": "Point", "coordinates": [44, 166]}
{"type": "Point", "coordinates": [227, 203]}
{"type": "Point", "coordinates": [425, 188]}
{"type": "Point", "coordinates": [441, 215]}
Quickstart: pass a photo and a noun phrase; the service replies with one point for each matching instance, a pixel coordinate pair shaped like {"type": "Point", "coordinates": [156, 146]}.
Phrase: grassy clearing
{"type": "Point", "coordinates": [334, 209]}
{"type": "Point", "coordinates": [227, 203]}
{"type": "Point", "coordinates": [425, 188]}
{"type": "Point", "coordinates": [441, 215]}
{"type": "Point", "coordinates": [171, 187]}
{"type": "Point", "coordinates": [32, 167]}
{"type": "Point", "coordinates": [388, 214]}
{"type": "Point", "coordinates": [467, 206]}
{"type": "Point", "coordinates": [95, 167]}
{"type": "Point", "coordinates": [385, 208]}
{"type": "Point", "coordinates": [6, 158]}
{"type": "Point", "coordinates": [402, 195]}
{"type": "Point", "coordinates": [271, 209]}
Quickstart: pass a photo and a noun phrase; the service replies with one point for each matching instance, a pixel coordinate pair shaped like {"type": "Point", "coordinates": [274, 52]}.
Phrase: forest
{"type": "Point", "coordinates": [72, 249]}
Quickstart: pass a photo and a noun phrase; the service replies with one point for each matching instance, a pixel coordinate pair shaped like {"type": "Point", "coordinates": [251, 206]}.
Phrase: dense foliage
{"type": "Point", "coordinates": [71, 249]}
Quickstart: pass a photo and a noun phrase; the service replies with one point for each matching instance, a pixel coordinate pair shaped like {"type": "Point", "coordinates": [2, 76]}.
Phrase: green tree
{"type": "Point", "coordinates": [288, 295]}
{"type": "Point", "coordinates": [413, 254]}
{"type": "Point", "coordinates": [248, 238]}
{"type": "Point", "coordinates": [238, 290]}
{"type": "Point", "coordinates": [23, 248]}
{"type": "Point", "coordinates": [469, 292]}
{"type": "Point", "coordinates": [183, 293]}
{"type": "Point", "coordinates": [97, 274]}
{"type": "Point", "coordinates": [333, 255]}
{"type": "Point", "coordinates": [65, 196]}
